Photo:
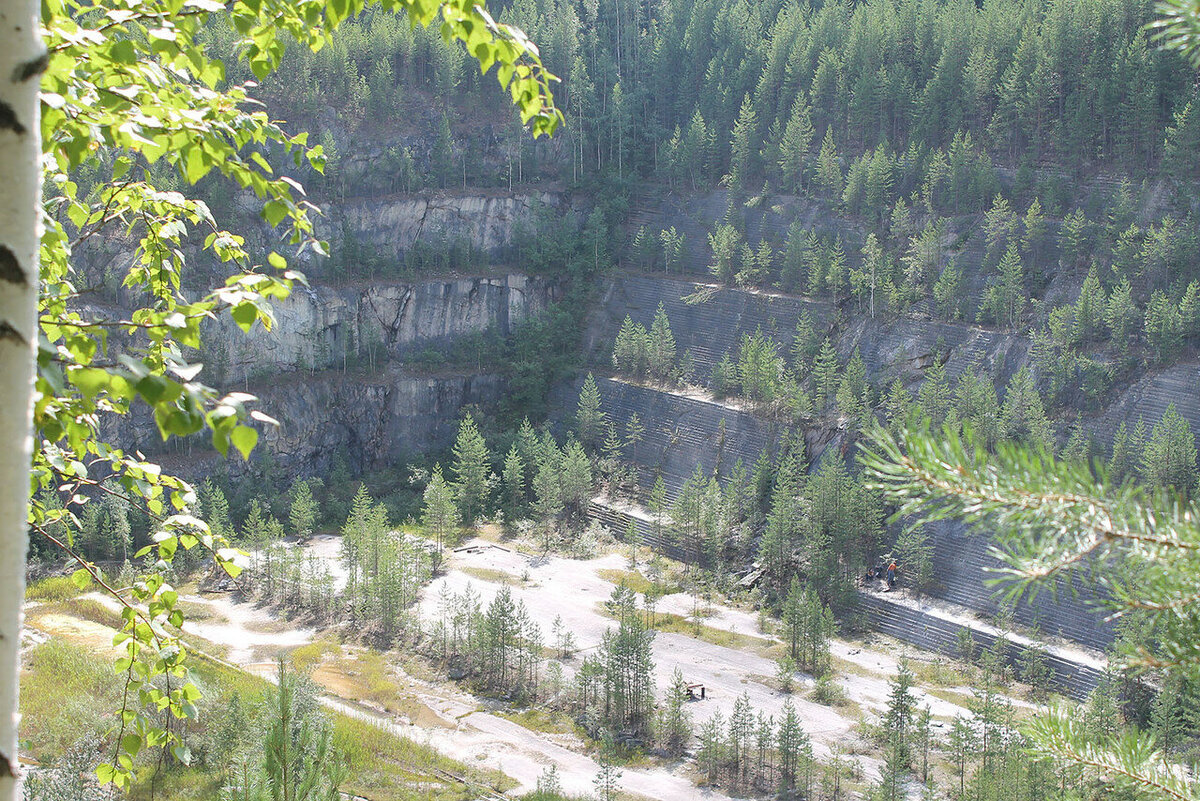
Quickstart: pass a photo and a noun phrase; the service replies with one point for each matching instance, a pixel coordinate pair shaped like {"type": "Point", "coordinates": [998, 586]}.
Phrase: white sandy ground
{"type": "Point", "coordinates": [573, 589]}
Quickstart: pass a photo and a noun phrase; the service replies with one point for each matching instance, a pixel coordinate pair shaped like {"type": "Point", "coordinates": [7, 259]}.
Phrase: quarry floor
{"type": "Point", "coordinates": [729, 657]}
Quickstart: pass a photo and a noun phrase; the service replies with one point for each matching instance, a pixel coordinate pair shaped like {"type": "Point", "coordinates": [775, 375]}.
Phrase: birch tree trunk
{"type": "Point", "coordinates": [22, 60]}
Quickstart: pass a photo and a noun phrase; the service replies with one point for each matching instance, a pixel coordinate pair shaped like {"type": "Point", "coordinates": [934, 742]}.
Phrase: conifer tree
{"type": "Point", "coordinates": [1005, 300]}
{"type": "Point", "coordinates": [547, 504]}
{"type": "Point", "coordinates": [1035, 232]}
{"type": "Point", "coordinates": [977, 406]}
{"type": "Point", "coordinates": [675, 724]}
{"type": "Point", "coordinates": [795, 754]}
{"type": "Point", "coordinates": [1169, 456]}
{"type": "Point", "coordinates": [829, 172]}
{"type": "Point", "coordinates": [934, 394]}
{"type": "Point", "coordinates": [1023, 416]}
{"type": "Point", "coordinates": [794, 147]}
{"type": "Point", "coordinates": [660, 347]}
{"type": "Point", "coordinates": [303, 512]}
{"type": "Point", "coordinates": [726, 244]}
{"type": "Point", "coordinates": [672, 249]}
{"type": "Point", "coordinates": [1075, 238]}
{"type": "Point", "coordinates": [630, 350]}
{"type": "Point", "coordinates": [1090, 308]}
{"type": "Point", "coordinates": [512, 479]}
{"type": "Point", "coordinates": [1122, 316]}
{"type": "Point", "coordinates": [898, 406]}
{"type": "Point", "coordinates": [589, 418]}
{"type": "Point", "coordinates": [897, 726]}
{"type": "Point", "coordinates": [824, 375]}
{"type": "Point", "coordinates": [743, 146]}
{"type": "Point", "coordinates": [471, 467]}
{"type": "Point", "coordinates": [439, 517]}
{"type": "Point", "coordinates": [948, 292]}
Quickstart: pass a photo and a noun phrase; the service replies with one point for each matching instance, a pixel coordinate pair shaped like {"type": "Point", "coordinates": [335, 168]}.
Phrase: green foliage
{"type": "Point", "coordinates": [304, 509]}
{"type": "Point", "coordinates": [1059, 517]}
{"type": "Point", "coordinates": [472, 470]}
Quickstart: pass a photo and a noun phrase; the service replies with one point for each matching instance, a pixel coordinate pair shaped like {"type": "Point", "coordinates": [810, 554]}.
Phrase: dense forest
{"type": "Point", "coordinates": [1028, 170]}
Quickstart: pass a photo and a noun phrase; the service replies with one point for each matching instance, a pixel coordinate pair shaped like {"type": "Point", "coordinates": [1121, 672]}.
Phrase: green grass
{"type": "Point", "coordinates": [66, 692]}
{"type": "Point", "coordinates": [490, 575]}
{"type": "Point", "coordinates": [91, 609]}
{"type": "Point", "coordinates": [727, 639]}
{"type": "Point", "coordinates": [544, 721]}
{"type": "Point", "coordinates": [54, 588]}
{"type": "Point", "coordinates": [305, 657]}
{"type": "Point", "coordinates": [631, 579]}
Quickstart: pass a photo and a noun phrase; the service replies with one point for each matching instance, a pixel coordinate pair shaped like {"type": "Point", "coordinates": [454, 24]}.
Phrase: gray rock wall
{"type": "Point", "coordinates": [487, 221]}
{"type": "Point", "coordinates": [323, 327]}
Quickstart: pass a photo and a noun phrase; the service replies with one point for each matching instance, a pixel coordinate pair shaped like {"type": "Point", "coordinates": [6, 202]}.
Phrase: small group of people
{"type": "Point", "coordinates": [888, 574]}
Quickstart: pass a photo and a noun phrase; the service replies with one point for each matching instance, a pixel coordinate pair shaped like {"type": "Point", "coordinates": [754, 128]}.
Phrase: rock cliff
{"type": "Point", "coordinates": [326, 327]}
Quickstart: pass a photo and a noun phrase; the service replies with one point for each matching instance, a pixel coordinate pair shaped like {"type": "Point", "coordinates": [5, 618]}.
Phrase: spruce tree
{"type": "Point", "coordinates": [661, 346]}
{"type": "Point", "coordinates": [471, 467]}
{"type": "Point", "coordinates": [439, 516]}
{"type": "Point", "coordinates": [589, 418]}
{"type": "Point", "coordinates": [303, 512]}
{"type": "Point", "coordinates": [934, 395]}
{"type": "Point", "coordinates": [1169, 456]}
{"type": "Point", "coordinates": [794, 147]}
{"type": "Point", "coordinates": [829, 172]}
{"type": "Point", "coordinates": [630, 350]}
{"type": "Point", "coordinates": [1023, 416]}
{"type": "Point", "coordinates": [743, 147]}
{"type": "Point", "coordinates": [512, 480]}
{"type": "Point", "coordinates": [824, 375]}
{"type": "Point", "coordinates": [726, 244]}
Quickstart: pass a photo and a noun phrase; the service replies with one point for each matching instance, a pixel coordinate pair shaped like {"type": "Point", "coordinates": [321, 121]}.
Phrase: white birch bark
{"type": "Point", "coordinates": [21, 62]}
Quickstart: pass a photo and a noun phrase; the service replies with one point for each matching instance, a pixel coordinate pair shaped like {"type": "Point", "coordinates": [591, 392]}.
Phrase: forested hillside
{"type": "Point", "coordinates": [651, 350]}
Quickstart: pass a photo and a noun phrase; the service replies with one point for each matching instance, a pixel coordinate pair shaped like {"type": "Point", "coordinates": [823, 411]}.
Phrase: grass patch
{"type": "Point", "coordinates": [544, 721]}
{"type": "Point", "coordinates": [66, 692]}
{"type": "Point", "coordinates": [385, 767]}
{"type": "Point", "coordinates": [368, 679]}
{"type": "Point", "coordinates": [941, 673]}
{"type": "Point", "coordinates": [633, 580]}
{"type": "Point", "coordinates": [54, 588]}
{"type": "Point", "coordinates": [93, 610]}
{"type": "Point", "coordinates": [678, 624]}
{"type": "Point", "coordinates": [197, 612]}
{"type": "Point", "coordinates": [489, 574]}
{"type": "Point", "coordinates": [829, 693]}
{"type": "Point", "coordinates": [305, 657]}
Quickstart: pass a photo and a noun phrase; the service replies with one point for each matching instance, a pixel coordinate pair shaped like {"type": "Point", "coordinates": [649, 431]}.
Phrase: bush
{"type": "Point", "coordinates": [829, 692]}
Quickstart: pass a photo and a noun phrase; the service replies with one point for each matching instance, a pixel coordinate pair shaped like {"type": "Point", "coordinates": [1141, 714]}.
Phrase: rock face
{"type": "Point", "coordinates": [485, 222]}
{"type": "Point", "coordinates": [370, 420]}
{"type": "Point", "coordinates": [325, 327]}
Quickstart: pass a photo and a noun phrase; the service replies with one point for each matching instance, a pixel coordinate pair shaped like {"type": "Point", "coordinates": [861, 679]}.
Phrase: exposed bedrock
{"type": "Point", "coordinates": [324, 327]}
{"type": "Point", "coordinates": [368, 420]}
{"type": "Point", "coordinates": [488, 222]}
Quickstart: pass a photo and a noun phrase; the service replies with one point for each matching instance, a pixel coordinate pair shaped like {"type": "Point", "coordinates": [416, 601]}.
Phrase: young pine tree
{"type": "Point", "coordinates": [471, 466]}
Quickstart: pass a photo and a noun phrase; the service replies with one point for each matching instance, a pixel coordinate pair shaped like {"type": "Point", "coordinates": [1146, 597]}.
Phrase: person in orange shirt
{"type": "Point", "coordinates": [891, 574]}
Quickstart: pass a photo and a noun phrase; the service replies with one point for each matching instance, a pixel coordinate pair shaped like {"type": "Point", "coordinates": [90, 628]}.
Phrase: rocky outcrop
{"type": "Point", "coordinates": [487, 222]}
{"type": "Point", "coordinates": [368, 420]}
{"type": "Point", "coordinates": [371, 420]}
{"type": "Point", "coordinates": [324, 327]}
